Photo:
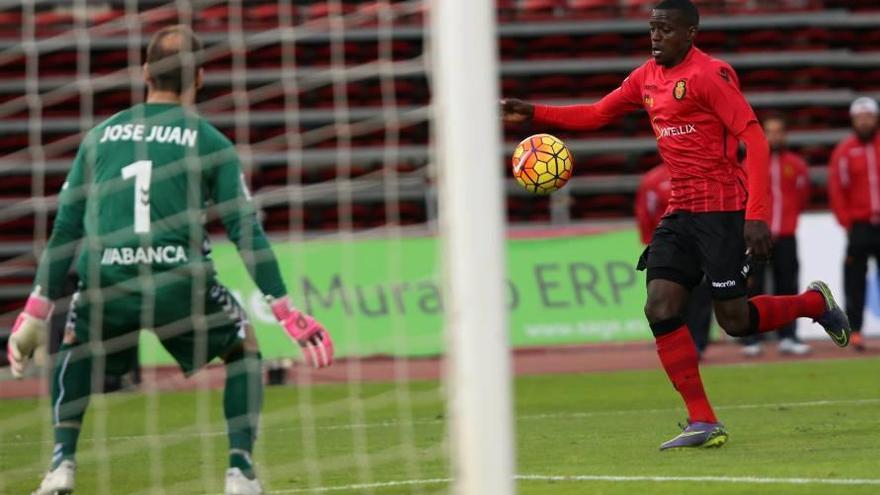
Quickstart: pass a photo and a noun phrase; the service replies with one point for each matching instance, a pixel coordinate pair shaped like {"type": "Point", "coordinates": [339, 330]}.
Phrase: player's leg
{"type": "Point", "coordinates": [671, 275]}
{"type": "Point", "coordinates": [72, 375]}
{"type": "Point", "coordinates": [680, 360]}
{"type": "Point", "coordinates": [675, 346]}
{"type": "Point", "coordinates": [70, 391]}
{"type": "Point", "coordinates": [230, 337]}
{"type": "Point", "coordinates": [71, 388]}
{"type": "Point", "coordinates": [741, 317]}
{"type": "Point", "coordinates": [243, 401]}
{"type": "Point", "coordinates": [722, 250]}
{"type": "Point", "coordinates": [698, 315]}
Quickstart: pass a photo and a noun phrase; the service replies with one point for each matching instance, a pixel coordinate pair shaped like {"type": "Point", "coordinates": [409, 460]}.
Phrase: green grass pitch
{"type": "Point", "coordinates": [806, 420]}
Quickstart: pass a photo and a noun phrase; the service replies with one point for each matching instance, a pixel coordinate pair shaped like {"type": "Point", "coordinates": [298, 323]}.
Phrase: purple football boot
{"type": "Point", "coordinates": [698, 435]}
{"type": "Point", "coordinates": [834, 321]}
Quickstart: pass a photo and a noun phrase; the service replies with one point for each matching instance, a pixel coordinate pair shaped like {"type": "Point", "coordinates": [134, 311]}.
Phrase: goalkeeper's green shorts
{"type": "Point", "coordinates": [195, 322]}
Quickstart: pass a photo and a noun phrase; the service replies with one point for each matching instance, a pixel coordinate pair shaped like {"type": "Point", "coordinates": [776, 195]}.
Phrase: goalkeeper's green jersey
{"type": "Point", "coordinates": [137, 198]}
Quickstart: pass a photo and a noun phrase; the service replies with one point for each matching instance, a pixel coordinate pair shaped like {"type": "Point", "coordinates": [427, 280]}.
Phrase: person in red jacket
{"type": "Point", "coordinates": [719, 208]}
{"type": "Point", "coordinates": [789, 195]}
{"type": "Point", "coordinates": [652, 199]}
{"type": "Point", "coordinates": [854, 188]}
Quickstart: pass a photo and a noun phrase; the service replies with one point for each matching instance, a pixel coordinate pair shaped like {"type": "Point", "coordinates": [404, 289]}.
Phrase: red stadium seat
{"type": "Point", "coordinates": [765, 40]}
{"type": "Point", "coordinates": [855, 5]}
{"type": "Point", "coordinates": [541, 9]}
{"type": "Point", "coordinates": [267, 15]}
{"type": "Point", "coordinates": [508, 48]}
{"type": "Point", "coordinates": [868, 41]}
{"type": "Point", "coordinates": [813, 38]}
{"type": "Point", "coordinates": [512, 87]}
{"type": "Point", "coordinates": [715, 7]}
{"type": "Point", "coordinates": [506, 9]}
{"type": "Point", "coordinates": [155, 19]}
{"type": "Point", "coordinates": [316, 10]}
{"type": "Point", "coordinates": [546, 87]}
{"type": "Point", "coordinates": [597, 44]}
{"type": "Point", "coordinates": [593, 8]}
{"type": "Point", "coordinates": [549, 47]}
{"type": "Point", "coordinates": [55, 19]}
{"type": "Point", "coordinates": [713, 41]}
{"type": "Point", "coordinates": [107, 15]}
{"type": "Point", "coordinates": [110, 61]}
{"type": "Point", "coordinates": [866, 80]}
{"type": "Point", "coordinates": [637, 8]}
{"type": "Point", "coordinates": [762, 79]}
{"type": "Point", "coordinates": [214, 18]}
{"type": "Point", "coordinates": [812, 78]}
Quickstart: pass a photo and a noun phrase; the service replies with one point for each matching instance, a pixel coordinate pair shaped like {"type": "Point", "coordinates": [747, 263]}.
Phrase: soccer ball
{"type": "Point", "coordinates": [542, 164]}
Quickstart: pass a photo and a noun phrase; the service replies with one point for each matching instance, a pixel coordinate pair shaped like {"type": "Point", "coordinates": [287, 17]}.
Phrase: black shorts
{"type": "Point", "coordinates": [686, 246]}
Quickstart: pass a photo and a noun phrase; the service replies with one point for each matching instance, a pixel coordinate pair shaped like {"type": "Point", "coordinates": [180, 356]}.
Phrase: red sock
{"type": "Point", "coordinates": [775, 312]}
{"type": "Point", "coordinates": [680, 360]}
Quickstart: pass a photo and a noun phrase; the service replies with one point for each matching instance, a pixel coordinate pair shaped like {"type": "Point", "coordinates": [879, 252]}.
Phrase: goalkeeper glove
{"type": "Point", "coordinates": [317, 347]}
{"type": "Point", "coordinates": [29, 331]}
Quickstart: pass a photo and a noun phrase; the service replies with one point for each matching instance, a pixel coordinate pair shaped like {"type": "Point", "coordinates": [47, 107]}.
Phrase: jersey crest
{"type": "Point", "coordinates": [680, 90]}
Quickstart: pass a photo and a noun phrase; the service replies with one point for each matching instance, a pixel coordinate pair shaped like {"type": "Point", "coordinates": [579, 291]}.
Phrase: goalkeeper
{"type": "Point", "coordinates": [136, 201]}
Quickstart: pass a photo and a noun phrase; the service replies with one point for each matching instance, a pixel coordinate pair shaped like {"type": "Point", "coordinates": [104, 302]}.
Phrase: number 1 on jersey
{"type": "Point", "coordinates": [141, 171]}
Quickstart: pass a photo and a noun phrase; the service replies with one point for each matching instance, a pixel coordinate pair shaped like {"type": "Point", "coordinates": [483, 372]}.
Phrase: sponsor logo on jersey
{"type": "Point", "coordinates": [162, 255]}
{"type": "Point", "coordinates": [152, 134]}
{"type": "Point", "coordinates": [680, 89]}
{"type": "Point", "coordinates": [673, 131]}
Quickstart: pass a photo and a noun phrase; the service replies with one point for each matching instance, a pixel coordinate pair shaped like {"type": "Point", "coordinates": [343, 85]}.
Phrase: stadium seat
{"type": "Point", "coordinates": [765, 40]}
{"type": "Point", "coordinates": [548, 87]}
{"type": "Point", "coordinates": [10, 23]}
{"type": "Point", "coordinates": [548, 47]}
{"type": "Point", "coordinates": [812, 38]}
{"type": "Point", "coordinates": [637, 8]}
{"type": "Point", "coordinates": [713, 41]}
{"type": "Point", "coordinates": [540, 10]}
{"type": "Point", "coordinates": [763, 79]}
{"type": "Point", "coordinates": [597, 44]}
{"type": "Point", "coordinates": [52, 21]}
{"type": "Point", "coordinates": [213, 18]}
{"type": "Point", "coordinates": [506, 10]}
{"type": "Point", "coordinates": [819, 117]}
{"type": "Point", "coordinates": [268, 15]}
{"type": "Point", "coordinates": [594, 8]}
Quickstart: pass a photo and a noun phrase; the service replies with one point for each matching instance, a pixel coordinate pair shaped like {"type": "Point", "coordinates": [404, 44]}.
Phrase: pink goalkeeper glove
{"type": "Point", "coordinates": [315, 341]}
{"type": "Point", "coordinates": [29, 331]}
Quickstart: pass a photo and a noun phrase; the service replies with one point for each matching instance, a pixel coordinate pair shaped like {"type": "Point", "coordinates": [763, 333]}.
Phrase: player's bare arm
{"type": "Point", "coordinates": [515, 111]}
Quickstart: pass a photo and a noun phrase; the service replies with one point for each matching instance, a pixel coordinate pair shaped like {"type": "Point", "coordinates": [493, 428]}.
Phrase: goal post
{"type": "Point", "coordinates": [466, 152]}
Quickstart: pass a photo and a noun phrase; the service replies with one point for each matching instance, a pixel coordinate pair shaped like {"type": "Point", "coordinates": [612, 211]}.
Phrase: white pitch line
{"type": "Point", "coordinates": [367, 486]}
{"type": "Point", "coordinates": [613, 479]}
{"type": "Point", "coordinates": [705, 479]}
{"type": "Point", "coordinates": [523, 417]}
